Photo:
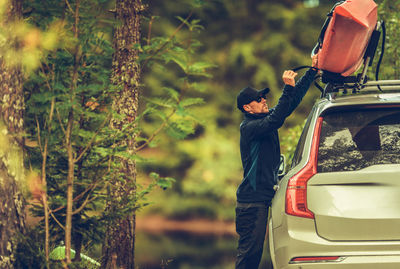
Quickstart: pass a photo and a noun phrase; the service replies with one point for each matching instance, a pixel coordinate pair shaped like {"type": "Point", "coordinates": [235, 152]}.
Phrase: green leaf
{"type": "Point", "coordinates": [191, 101]}
{"type": "Point", "coordinates": [104, 152]}
{"type": "Point", "coordinates": [200, 87]}
{"type": "Point", "coordinates": [153, 144]}
{"type": "Point", "coordinates": [160, 102]}
{"type": "Point", "coordinates": [85, 134]}
{"type": "Point", "coordinates": [183, 20]}
{"type": "Point", "coordinates": [162, 182]}
{"type": "Point", "coordinates": [181, 61]}
{"type": "Point", "coordinates": [180, 128]}
{"type": "Point", "coordinates": [172, 93]}
{"type": "Point", "coordinates": [198, 3]}
{"type": "Point", "coordinates": [178, 49]}
{"type": "Point", "coordinates": [165, 182]}
{"type": "Point", "coordinates": [199, 69]}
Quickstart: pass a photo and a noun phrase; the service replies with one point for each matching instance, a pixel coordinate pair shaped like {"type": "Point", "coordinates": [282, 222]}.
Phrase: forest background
{"type": "Point", "coordinates": [251, 43]}
{"type": "Point", "coordinates": [195, 56]}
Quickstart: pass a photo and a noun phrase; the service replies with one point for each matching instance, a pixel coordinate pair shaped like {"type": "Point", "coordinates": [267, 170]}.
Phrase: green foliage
{"type": "Point", "coordinates": [30, 253]}
{"type": "Point", "coordinates": [54, 98]}
{"type": "Point", "coordinates": [156, 181]}
{"type": "Point", "coordinates": [193, 64]}
{"type": "Point", "coordinates": [25, 45]}
{"type": "Point", "coordinates": [251, 43]}
{"type": "Point", "coordinates": [217, 174]}
{"type": "Point", "coordinates": [30, 250]}
{"type": "Point", "coordinates": [289, 141]}
{"type": "Point", "coordinates": [172, 106]}
{"type": "Point", "coordinates": [52, 95]}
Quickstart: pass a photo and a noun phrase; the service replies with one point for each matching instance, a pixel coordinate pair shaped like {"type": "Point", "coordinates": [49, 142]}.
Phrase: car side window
{"type": "Point", "coordinates": [353, 140]}
{"type": "Point", "coordinates": [300, 145]}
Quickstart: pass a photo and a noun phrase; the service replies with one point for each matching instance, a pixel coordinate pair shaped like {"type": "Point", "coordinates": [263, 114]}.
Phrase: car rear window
{"type": "Point", "coordinates": [353, 140]}
{"type": "Point", "coordinates": [298, 154]}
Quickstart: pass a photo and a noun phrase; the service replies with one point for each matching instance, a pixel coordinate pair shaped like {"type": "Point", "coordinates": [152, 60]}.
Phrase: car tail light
{"type": "Point", "coordinates": [296, 192]}
{"type": "Point", "coordinates": [317, 259]}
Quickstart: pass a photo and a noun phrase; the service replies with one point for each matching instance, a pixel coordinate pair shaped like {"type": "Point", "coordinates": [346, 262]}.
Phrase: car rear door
{"type": "Point", "coordinates": [355, 194]}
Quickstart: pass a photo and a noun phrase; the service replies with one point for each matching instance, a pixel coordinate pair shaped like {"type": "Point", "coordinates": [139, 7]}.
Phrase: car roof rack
{"type": "Point", "coordinates": [389, 85]}
{"type": "Point", "coordinates": [380, 86]}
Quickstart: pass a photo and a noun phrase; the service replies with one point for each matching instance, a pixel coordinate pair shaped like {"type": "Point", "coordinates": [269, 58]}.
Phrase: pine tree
{"type": "Point", "coordinates": [118, 249]}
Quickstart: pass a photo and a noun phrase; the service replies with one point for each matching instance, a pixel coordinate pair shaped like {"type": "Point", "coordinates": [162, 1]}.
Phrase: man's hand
{"type": "Point", "coordinates": [315, 60]}
{"type": "Point", "coordinates": [288, 77]}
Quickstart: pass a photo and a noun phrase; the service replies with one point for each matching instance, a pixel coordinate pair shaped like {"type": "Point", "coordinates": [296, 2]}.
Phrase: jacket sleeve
{"type": "Point", "coordinates": [259, 127]}
{"type": "Point", "coordinates": [301, 88]}
{"type": "Point", "coordinates": [289, 100]}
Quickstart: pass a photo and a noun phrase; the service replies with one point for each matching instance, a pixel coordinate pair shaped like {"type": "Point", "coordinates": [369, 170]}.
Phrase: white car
{"type": "Point", "coordinates": [338, 206]}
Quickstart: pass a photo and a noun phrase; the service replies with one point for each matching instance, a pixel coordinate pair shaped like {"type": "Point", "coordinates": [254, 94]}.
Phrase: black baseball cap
{"type": "Point", "coordinates": [248, 95]}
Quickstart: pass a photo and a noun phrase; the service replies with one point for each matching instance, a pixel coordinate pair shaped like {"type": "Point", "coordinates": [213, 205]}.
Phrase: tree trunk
{"type": "Point", "coordinates": [11, 162]}
{"type": "Point", "coordinates": [119, 245]}
{"type": "Point", "coordinates": [68, 142]}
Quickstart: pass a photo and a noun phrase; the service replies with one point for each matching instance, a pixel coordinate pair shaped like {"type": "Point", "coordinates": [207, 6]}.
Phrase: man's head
{"type": "Point", "coordinates": [252, 101]}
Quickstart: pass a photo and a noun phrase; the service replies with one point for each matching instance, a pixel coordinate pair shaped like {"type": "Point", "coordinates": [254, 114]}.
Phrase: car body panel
{"type": "Point", "coordinates": [350, 205]}
{"type": "Point", "coordinates": [302, 241]}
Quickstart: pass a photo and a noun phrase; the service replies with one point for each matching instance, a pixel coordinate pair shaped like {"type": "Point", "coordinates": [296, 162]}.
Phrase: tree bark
{"type": "Point", "coordinates": [11, 160]}
{"type": "Point", "coordinates": [119, 245]}
{"type": "Point", "coordinates": [68, 142]}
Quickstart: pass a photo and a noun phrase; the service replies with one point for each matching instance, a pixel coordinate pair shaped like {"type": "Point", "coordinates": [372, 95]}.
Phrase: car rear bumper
{"type": "Point", "coordinates": [296, 237]}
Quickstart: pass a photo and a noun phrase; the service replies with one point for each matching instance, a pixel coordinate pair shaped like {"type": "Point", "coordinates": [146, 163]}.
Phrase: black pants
{"type": "Point", "coordinates": [251, 224]}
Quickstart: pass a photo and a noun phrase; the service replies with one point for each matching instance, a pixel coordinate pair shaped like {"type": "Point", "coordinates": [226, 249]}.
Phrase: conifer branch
{"type": "Point", "coordinates": [56, 220]}
{"type": "Point", "coordinates": [38, 135]}
{"type": "Point", "coordinates": [69, 6]}
{"type": "Point", "coordinates": [155, 133]}
{"type": "Point", "coordinates": [87, 200]}
{"type": "Point", "coordinates": [91, 187]}
{"type": "Point", "coordinates": [149, 33]}
{"type": "Point", "coordinates": [53, 101]}
{"type": "Point", "coordinates": [60, 122]}
{"type": "Point", "coordinates": [88, 146]}
{"type": "Point", "coordinates": [169, 39]}
{"type": "Point", "coordinates": [164, 123]}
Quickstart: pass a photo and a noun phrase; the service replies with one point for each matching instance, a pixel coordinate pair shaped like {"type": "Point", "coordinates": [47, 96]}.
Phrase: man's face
{"type": "Point", "coordinates": [256, 107]}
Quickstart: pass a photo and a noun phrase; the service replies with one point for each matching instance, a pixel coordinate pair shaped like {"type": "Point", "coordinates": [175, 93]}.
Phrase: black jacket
{"type": "Point", "coordinates": [259, 144]}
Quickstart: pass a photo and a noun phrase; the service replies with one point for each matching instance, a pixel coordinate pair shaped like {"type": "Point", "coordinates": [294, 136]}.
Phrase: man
{"type": "Point", "coordinates": [260, 153]}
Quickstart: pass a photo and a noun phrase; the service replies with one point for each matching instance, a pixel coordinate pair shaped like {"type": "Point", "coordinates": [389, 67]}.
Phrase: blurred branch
{"type": "Point", "coordinates": [69, 6]}
{"type": "Point", "coordinates": [169, 39]}
{"type": "Point", "coordinates": [149, 33]}
{"type": "Point", "coordinates": [87, 200]}
{"type": "Point", "coordinates": [156, 132]}
{"type": "Point", "coordinates": [91, 187]}
{"type": "Point", "coordinates": [164, 123]}
{"type": "Point", "coordinates": [56, 220]}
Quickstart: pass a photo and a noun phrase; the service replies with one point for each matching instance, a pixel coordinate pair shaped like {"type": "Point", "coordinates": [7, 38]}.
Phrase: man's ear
{"type": "Point", "coordinates": [247, 108]}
